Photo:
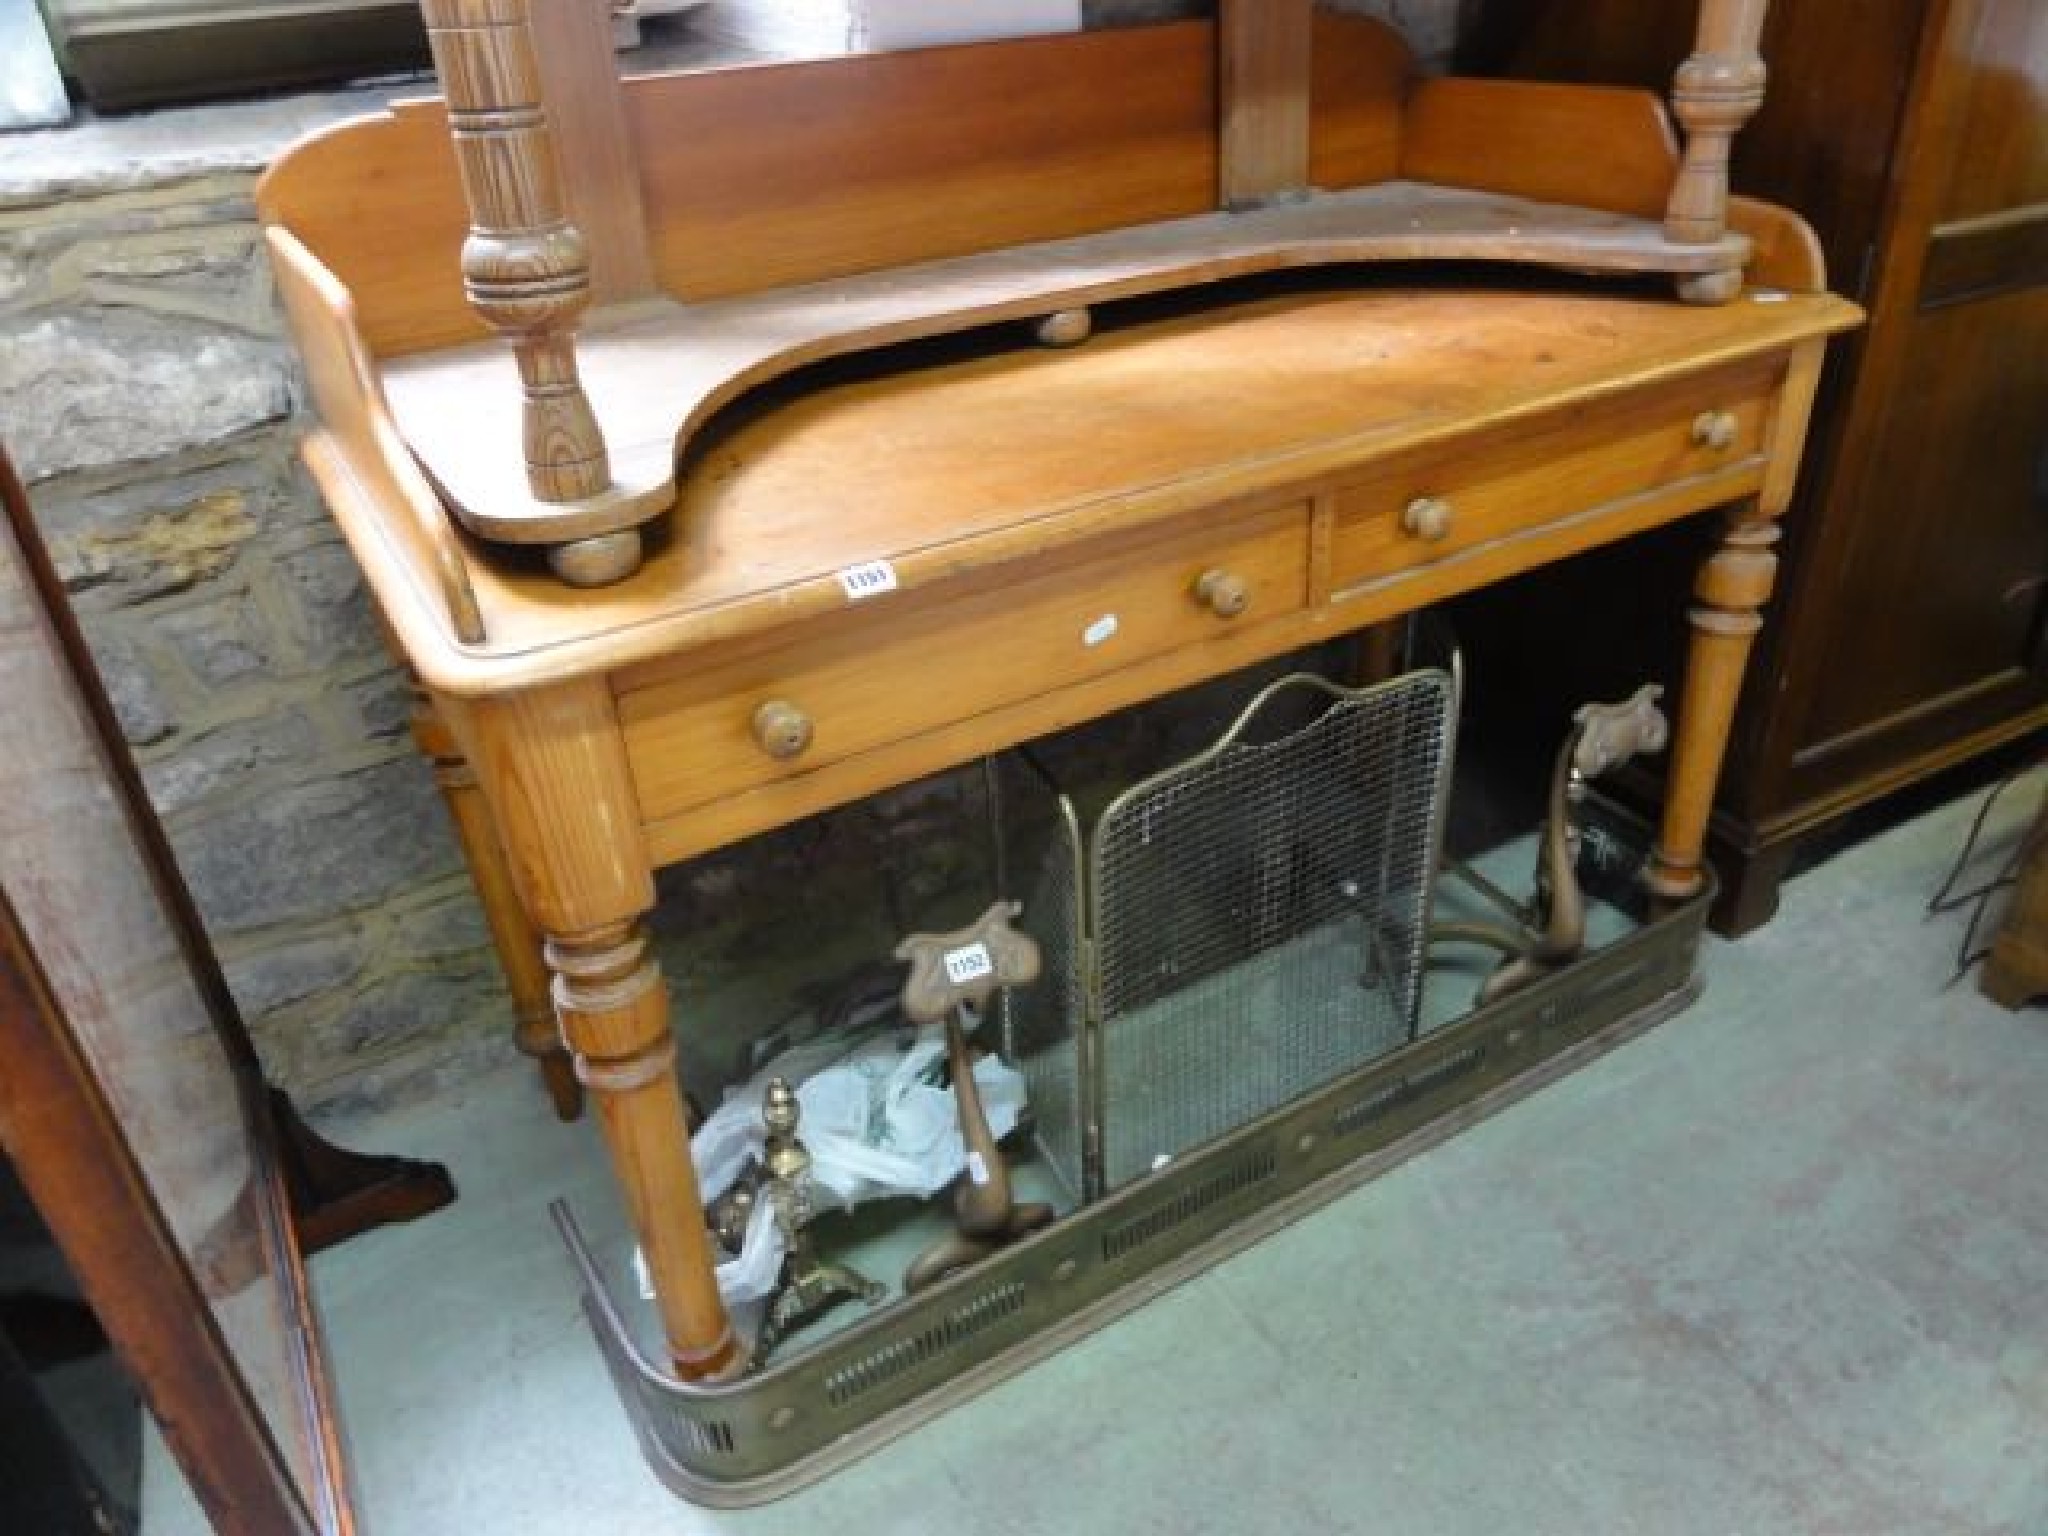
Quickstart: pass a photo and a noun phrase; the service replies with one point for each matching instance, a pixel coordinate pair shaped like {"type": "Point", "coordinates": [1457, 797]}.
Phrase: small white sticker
{"type": "Point", "coordinates": [1768, 296]}
{"type": "Point", "coordinates": [870, 580]}
{"type": "Point", "coordinates": [969, 964]}
{"type": "Point", "coordinates": [640, 1274]}
{"type": "Point", "coordinates": [1100, 630]}
{"type": "Point", "coordinates": [977, 1169]}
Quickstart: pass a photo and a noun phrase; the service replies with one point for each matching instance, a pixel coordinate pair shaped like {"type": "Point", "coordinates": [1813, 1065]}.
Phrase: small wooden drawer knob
{"type": "Point", "coordinates": [1222, 593]}
{"type": "Point", "coordinates": [1427, 517]}
{"type": "Point", "coordinates": [781, 729]}
{"type": "Point", "coordinates": [1065, 328]}
{"type": "Point", "coordinates": [1715, 429]}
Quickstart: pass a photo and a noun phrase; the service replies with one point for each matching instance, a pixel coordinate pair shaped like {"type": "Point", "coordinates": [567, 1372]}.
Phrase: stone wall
{"type": "Point", "coordinates": [149, 398]}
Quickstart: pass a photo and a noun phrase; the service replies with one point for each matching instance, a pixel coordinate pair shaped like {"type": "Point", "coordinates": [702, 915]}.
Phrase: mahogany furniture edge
{"type": "Point", "coordinates": [130, 1267]}
{"type": "Point", "coordinates": [63, 1134]}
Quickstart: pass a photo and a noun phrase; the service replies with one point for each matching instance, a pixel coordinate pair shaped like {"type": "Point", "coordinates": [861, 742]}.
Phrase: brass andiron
{"type": "Point", "coordinates": [1602, 737]}
{"type": "Point", "coordinates": [949, 973]}
{"type": "Point", "coordinates": [810, 1286]}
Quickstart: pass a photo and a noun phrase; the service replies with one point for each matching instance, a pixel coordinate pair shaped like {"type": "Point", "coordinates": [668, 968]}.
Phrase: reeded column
{"type": "Point", "coordinates": [524, 265]}
{"type": "Point", "coordinates": [1717, 90]}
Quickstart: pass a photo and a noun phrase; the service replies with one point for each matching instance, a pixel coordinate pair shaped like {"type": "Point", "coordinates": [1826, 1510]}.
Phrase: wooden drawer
{"type": "Point", "coordinates": [1450, 501]}
{"type": "Point", "coordinates": [906, 663]}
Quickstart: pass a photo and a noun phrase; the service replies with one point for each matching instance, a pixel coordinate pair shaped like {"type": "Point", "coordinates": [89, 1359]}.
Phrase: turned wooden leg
{"type": "Point", "coordinates": [1718, 89]}
{"type": "Point", "coordinates": [1728, 595]}
{"type": "Point", "coordinates": [553, 768]}
{"type": "Point", "coordinates": [614, 1010]}
{"type": "Point", "coordinates": [517, 943]}
{"type": "Point", "coordinates": [1732, 587]}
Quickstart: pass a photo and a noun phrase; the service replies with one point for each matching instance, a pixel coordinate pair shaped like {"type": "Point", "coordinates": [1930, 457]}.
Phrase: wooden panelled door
{"type": "Point", "coordinates": [1946, 456]}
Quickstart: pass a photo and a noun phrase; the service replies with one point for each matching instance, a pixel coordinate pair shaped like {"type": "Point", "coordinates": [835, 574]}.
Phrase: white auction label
{"type": "Point", "coordinates": [869, 580]}
{"type": "Point", "coordinates": [969, 964]}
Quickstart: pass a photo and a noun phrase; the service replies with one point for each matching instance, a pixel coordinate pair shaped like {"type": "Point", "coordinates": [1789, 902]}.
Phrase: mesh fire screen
{"type": "Point", "coordinates": [1233, 932]}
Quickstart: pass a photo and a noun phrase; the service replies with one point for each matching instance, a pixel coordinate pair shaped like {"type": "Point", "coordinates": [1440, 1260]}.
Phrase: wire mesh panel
{"type": "Point", "coordinates": [1039, 859]}
{"type": "Point", "coordinates": [1233, 932]}
{"type": "Point", "coordinates": [1259, 912]}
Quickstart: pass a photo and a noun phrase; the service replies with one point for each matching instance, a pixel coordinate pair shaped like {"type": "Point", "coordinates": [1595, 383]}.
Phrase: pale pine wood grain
{"type": "Point", "coordinates": [358, 441]}
{"type": "Point", "coordinates": [880, 671]}
{"type": "Point", "coordinates": [777, 801]}
{"type": "Point", "coordinates": [1784, 253]}
{"type": "Point", "coordinates": [551, 766]}
{"type": "Point", "coordinates": [765, 177]}
{"type": "Point", "coordinates": [899, 466]}
{"type": "Point", "coordinates": [513, 936]}
{"type": "Point", "coordinates": [1360, 77]}
{"type": "Point", "coordinates": [659, 372]}
{"type": "Point", "coordinates": [1521, 479]}
{"type": "Point", "coordinates": [525, 267]}
{"type": "Point", "coordinates": [378, 203]}
{"type": "Point", "coordinates": [1734, 582]}
{"type": "Point", "coordinates": [1014, 490]}
{"type": "Point", "coordinates": [1589, 146]}
{"type": "Point", "coordinates": [579, 76]}
{"type": "Point", "coordinates": [1264, 69]}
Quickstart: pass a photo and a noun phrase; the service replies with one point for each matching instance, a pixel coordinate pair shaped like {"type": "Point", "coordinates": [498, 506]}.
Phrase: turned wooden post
{"type": "Point", "coordinates": [1729, 595]}
{"type": "Point", "coordinates": [1717, 90]}
{"type": "Point", "coordinates": [525, 267]}
{"type": "Point", "coordinates": [1733, 584]}
{"type": "Point", "coordinates": [552, 767]}
{"type": "Point", "coordinates": [518, 946]}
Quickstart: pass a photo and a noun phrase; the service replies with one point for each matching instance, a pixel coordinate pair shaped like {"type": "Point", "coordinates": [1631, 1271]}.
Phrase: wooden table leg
{"type": "Point", "coordinates": [517, 944]}
{"type": "Point", "coordinates": [552, 767]}
{"type": "Point", "coordinates": [1728, 596]}
{"type": "Point", "coordinates": [1731, 588]}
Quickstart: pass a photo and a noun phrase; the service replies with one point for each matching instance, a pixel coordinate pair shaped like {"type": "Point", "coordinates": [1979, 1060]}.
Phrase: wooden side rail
{"type": "Point", "coordinates": [357, 447]}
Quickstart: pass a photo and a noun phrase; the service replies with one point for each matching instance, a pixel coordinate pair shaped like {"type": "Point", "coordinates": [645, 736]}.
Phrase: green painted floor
{"type": "Point", "coordinates": [1779, 1266]}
